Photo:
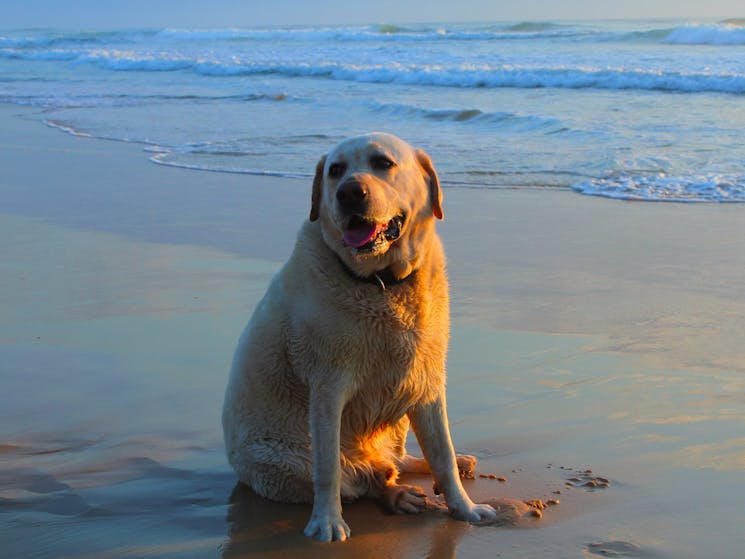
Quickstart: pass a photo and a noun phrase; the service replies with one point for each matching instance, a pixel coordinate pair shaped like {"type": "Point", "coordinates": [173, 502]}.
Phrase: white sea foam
{"type": "Point", "coordinates": [66, 128]}
{"type": "Point", "coordinates": [461, 75]}
{"type": "Point", "coordinates": [162, 158]}
{"type": "Point", "coordinates": [470, 76]}
{"type": "Point", "coordinates": [663, 188]}
{"type": "Point", "coordinates": [134, 61]}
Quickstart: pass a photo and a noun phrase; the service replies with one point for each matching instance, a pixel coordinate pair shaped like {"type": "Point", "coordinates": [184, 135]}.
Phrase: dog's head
{"type": "Point", "coordinates": [376, 198]}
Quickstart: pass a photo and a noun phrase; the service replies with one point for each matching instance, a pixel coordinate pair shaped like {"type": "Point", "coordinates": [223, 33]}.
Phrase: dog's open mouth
{"type": "Point", "coordinates": [364, 235]}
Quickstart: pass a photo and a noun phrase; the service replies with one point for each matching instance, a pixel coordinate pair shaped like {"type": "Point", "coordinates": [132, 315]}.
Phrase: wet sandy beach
{"type": "Point", "coordinates": [593, 341]}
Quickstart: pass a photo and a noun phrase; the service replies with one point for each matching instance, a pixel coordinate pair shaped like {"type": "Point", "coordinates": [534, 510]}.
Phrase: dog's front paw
{"type": "Point", "coordinates": [474, 513]}
{"type": "Point", "coordinates": [327, 528]}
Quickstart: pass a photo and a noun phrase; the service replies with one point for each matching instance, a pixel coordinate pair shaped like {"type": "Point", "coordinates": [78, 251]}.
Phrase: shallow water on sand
{"type": "Point", "coordinates": [114, 356]}
{"type": "Point", "coordinates": [110, 413]}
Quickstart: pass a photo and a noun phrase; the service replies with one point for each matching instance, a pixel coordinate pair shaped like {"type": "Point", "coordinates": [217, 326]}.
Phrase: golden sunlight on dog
{"type": "Point", "coordinates": [347, 348]}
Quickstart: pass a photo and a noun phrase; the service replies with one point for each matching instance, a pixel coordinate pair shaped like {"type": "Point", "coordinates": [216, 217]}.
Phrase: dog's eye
{"type": "Point", "coordinates": [336, 170]}
{"type": "Point", "coordinates": [381, 163]}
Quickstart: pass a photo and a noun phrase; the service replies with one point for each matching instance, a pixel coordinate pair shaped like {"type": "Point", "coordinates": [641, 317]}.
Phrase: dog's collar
{"type": "Point", "coordinates": [383, 278]}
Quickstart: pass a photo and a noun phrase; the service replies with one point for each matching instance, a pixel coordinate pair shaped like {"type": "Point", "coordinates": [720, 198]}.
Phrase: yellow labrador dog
{"type": "Point", "coordinates": [347, 348]}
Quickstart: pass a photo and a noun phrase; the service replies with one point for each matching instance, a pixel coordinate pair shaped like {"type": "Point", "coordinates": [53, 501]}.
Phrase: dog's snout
{"type": "Point", "coordinates": [352, 195]}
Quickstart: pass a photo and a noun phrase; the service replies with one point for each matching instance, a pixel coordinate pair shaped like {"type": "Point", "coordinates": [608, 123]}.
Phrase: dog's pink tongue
{"type": "Point", "coordinates": [360, 233]}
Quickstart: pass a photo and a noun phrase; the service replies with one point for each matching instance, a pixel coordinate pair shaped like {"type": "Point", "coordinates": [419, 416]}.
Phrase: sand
{"type": "Point", "coordinates": [593, 341]}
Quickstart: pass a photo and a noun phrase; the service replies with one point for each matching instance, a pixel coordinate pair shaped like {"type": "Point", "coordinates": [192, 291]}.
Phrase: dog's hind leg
{"type": "Point", "coordinates": [378, 479]}
{"type": "Point", "coordinates": [383, 467]}
{"type": "Point", "coordinates": [414, 465]}
{"type": "Point", "coordinates": [275, 470]}
{"type": "Point", "coordinates": [406, 463]}
{"type": "Point", "coordinates": [409, 464]}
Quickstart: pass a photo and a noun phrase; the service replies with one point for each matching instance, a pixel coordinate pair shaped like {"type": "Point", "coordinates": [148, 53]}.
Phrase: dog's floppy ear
{"type": "Point", "coordinates": [435, 193]}
{"type": "Point", "coordinates": [315, 201]}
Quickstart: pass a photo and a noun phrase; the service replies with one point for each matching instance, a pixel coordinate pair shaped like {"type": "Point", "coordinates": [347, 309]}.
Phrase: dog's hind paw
{"type": "Point", "coordinates": [466, 465]}
{"type": "Point", "coordinates": [404, 499]}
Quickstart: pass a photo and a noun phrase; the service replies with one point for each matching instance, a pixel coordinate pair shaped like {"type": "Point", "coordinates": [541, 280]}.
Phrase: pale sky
{"type": "Point", "coordinates": [108, 14]}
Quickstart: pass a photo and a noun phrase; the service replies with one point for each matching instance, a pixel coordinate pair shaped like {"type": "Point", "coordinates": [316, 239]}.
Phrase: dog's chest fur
{"type": "Point", "coordinates": [390, 356]}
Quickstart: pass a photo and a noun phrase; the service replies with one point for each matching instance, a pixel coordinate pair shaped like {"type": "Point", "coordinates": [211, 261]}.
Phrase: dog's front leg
{"type": "Point", "coordinates": [430, 425]}
{"type": "Point", "coordinates": [326, 523]}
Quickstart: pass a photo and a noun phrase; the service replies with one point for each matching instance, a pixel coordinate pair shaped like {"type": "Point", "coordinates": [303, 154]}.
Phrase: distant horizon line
{"type": "Point", "coordinates": [150, 27]}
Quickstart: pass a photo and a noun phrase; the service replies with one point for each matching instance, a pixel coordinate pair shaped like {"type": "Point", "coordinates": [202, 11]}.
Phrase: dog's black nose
{"type": "Point", "coordinates": [351, 196]}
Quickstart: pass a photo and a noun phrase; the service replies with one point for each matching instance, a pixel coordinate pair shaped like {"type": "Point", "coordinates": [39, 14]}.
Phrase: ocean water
{"type": "Point", "coordinates": [642, 110]}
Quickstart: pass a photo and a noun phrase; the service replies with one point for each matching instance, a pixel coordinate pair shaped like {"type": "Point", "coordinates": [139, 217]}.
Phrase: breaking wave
{"type": "Point", "coordinates": [663, 188]}
{"type": "Point", "coordinates": [721, 34]}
